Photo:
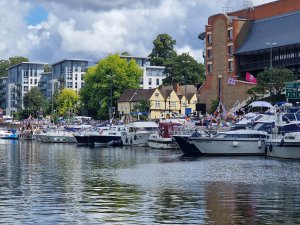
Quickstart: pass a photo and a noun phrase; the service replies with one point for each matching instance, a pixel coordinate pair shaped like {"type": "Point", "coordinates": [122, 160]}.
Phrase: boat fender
{"type": "Point", "coordinates": [281, 142]}
{"type": "Point", "coordinates": [270, 148]}
{"type": "Point", "coordinates": [259, 143]}
{"type": "Point", "coordinates": [235, 144]}
{"type": "Point", "coordinates": [135, 137]}
{"type": "Point", "coordinates": [266, 149]}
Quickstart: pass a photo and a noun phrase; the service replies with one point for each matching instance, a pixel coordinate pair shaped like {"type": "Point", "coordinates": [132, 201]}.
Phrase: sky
{"type": "Point", "coordinates": [51, 30]}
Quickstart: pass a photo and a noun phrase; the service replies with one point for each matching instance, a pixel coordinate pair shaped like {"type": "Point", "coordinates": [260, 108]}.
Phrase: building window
{"type": "Point", "coordinates": [157, 81]}
{"type": "Point", "coordinates": [150, 81]}
{"type": "Point", "coordinates": [209, 53]}
{"type": "Point", "coordinates": [209, 68]}
{"type": "Point", "coordinates": [76, 76]}
{"type": "Point", "coordinates": [30, 81]}
{"type": "Point", "coordinates": [173, 104]}
{"type": "Point", "coordinates": [141, 81]}
{"type": "Point", "coordinates": [157, 104]}
{"type": "Point", "coordinates": [69, 85]}
{"type": "Point", "coordinates": [209, 38]}
{"type": "Point", "coordinates": [230, 50]}
{"type": "Point", "coordinates": [76, 85]}
{"type": "Point", "coordinates": [156, 95]}
{"type": "Point", "coordinates": [230, 34]}
{"type": "Point", "coordinates": [35, 81]}
{"type": "Point", "coordinates": [230, 66]}
{"type": "Point", "coordinates": [69, 76]}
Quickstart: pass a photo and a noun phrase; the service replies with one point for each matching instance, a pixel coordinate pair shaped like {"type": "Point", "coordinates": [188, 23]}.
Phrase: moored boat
{"type": "Point", "coordinates": [138, 133]}
{"type": "Point", "coordinates": [237, 142]}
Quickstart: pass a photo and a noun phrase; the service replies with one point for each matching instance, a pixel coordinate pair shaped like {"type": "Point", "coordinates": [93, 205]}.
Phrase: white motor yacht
{"type": "Point", "coordinates": [138, 133]}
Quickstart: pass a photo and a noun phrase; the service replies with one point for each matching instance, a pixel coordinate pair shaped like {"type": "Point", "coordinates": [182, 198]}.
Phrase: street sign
{"type": "Point", "coordinates": [292, 90]}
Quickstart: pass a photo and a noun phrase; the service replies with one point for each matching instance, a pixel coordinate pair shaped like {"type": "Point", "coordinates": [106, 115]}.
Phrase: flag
{"type": "Point", "coordinates": [250, 78]}
{"type": "Point", "coordinates": [231, 81]}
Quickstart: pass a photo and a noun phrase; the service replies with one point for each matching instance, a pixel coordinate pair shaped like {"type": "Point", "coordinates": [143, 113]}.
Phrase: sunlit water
{"type": "Point", "coordinates": [66, 184]}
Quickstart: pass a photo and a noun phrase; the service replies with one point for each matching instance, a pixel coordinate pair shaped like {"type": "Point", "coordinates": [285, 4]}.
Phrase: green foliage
{"type": "Point", "coordinates": [67, 102]}
{"type": "Point", "coordinates": [34, 102]}
{"type": "Point", "coordinates": [183, 69]}
{"type": "Point", "coordinates": [125, 53]}
{"type": "Point", "coordinates": [4, 64]}
{"type": "Point", "coordinates": [271, 81]}
{"type": "Point", "coordinates": [163, 50]}
{"type": "Point", "coordinates": [214, 106]}
{"type": "Point", "coordinates": [111, 73]}
{"type": "Point", "coordinates": [142, 106]}
{"type": "Point", "coordinates": [47, 68]}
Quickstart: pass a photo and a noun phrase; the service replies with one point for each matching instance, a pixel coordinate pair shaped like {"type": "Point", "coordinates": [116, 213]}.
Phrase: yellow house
{"type": "Point", "coordinates": [187, 96]}
{"type": "Point", "coordinates": [164, 102]}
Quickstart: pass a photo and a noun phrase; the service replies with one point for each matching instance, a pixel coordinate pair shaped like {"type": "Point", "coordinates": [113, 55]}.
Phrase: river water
{"type": "Point", "coordinates": [65, 184]}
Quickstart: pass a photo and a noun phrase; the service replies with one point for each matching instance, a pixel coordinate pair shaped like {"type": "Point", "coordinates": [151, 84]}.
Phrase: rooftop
{"type": "Point", "coordinates": [281, 30]}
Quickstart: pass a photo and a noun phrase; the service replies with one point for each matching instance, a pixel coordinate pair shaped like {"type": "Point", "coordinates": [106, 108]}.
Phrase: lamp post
{"type": "Point", "coordinates": [271, 46]}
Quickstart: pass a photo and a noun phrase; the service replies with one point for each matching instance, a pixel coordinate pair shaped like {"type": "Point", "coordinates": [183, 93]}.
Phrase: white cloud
{"type": "Point", "coordinates": [92, 29]}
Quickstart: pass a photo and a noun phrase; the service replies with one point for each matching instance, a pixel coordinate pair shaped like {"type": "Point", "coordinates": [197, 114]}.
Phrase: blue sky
{"type": "Point", "coordinates": [51, 30]}
{"type": "Point", "coordinates": [36, 15]}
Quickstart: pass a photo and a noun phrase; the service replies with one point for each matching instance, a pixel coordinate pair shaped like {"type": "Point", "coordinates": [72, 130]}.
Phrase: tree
{"type": "Point", "coordinates": [125, 53]}
{"type": "Point", "coordinates": [4, 64]}
{"type": "Point", "coordinates": [47, 68]}
{"type": "Point", "coordinates": [183, 69]}
{"type": "Point", "coordinates": [34, 103]}
{"type": "Point", "coordinates": [271, 81]}
{"type": "Point", "coordinates": [109, 77]}
{"type": "Point", "coordinates": [163, 50]}
{"type": "Point", "coordinates": [143, 107]}
{"type": "Point", "coordinates": [67, 102]}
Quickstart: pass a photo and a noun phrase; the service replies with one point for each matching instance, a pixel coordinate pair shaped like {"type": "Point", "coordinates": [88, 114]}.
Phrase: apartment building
{"type": "Point", "coordinates": [21, 78]}
{"type": "Point", "coordinates": [248, 41]}
{"type": "Point", "coordinates": [152, 75]}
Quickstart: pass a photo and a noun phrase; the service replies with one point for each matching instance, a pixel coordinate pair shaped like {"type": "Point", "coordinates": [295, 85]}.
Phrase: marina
{"type": "Point", "coordinates": [58, 183]}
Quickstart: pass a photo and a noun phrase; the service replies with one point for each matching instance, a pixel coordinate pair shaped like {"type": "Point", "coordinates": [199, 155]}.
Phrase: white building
{"type": "Point", "coordinates": [69, 73]}
{"type": "Point", "coordinates": [21, 78]}
{"type": "Point", "coordinates": [152, 75]}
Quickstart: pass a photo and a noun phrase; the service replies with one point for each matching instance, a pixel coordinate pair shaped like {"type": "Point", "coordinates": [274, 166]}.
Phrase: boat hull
{"type": "Point", "coordinates": [135, 139]}
{"type": "Point", "coordinates": [288, 149]}
{"type": "Point", "coordinates": [220, 146]}
{"type": "Point", "coordinates": [162, 143]}
{"type": "Point", "coordinates": [103, 140]}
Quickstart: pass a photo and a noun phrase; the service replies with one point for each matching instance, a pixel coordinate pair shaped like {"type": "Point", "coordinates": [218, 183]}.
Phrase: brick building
{"type": "Point", "coordinates": [248, 40]}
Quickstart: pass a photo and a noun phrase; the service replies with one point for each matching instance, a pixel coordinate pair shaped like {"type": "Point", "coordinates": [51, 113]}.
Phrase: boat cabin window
{"type": "Point", "coordinates": [288, 117]}
{"type": "Point", "coordinates": [263, 126]}
{"type": "Point", "coordinates": [245, 136]}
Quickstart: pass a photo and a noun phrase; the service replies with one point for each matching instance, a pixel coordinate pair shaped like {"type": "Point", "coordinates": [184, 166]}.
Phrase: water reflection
{"type": "Point", "coordinates": [66, 184]}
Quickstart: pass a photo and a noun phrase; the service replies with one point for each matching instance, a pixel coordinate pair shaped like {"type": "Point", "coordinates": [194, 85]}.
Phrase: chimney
{"type": "Point", "coordinates": [176, 88]}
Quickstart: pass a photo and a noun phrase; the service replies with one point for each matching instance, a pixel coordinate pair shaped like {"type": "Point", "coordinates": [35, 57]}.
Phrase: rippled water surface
{"type": "Point", "coordinates": [66, 184]}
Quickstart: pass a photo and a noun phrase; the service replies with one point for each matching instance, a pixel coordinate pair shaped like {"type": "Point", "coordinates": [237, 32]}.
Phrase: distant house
{"type": "Point", "coordinates": [165, 102]}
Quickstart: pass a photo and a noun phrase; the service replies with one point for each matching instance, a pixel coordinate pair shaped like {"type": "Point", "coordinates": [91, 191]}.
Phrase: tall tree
{"type": "Point", "coordinates": [109, 77]}
{"type": "Point", "coordinates": [67, 102]}
{"type": "Point", "coordinates": [4, 64]}
{"type": "Point", "coordinates": [34, 103]}
{"type": "Point", "coordinates": [163, 50]}
{"type": "Point", "coordinates": [271, 81]}
{"type": "Point", "coordinates": [183, 69]}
